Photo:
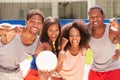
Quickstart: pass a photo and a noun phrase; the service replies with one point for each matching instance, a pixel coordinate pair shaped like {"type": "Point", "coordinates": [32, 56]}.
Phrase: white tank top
{"type": "Point", "coordinates": [103, 50]}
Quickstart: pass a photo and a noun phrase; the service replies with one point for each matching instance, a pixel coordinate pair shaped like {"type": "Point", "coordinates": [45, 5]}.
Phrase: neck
{"type": "Point", "coordinates": [98, 32]}
{"type": "Point", "coordinates": [74, 50]}
{"type": "Point", "coordinates": [27, 38]}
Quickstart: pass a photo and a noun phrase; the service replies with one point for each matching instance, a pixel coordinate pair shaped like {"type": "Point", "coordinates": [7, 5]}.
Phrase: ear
{"type": "Point", "coordinates": [104, 16]}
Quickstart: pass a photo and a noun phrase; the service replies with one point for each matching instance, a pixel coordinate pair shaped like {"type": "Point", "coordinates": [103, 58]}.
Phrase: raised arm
{"type": "Point", "coordinates": [114, 31]}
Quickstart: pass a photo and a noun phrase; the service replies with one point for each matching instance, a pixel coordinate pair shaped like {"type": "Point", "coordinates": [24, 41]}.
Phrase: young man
{"type": "Point", "coordinates": [103, 44]}
{"type": "Point", "coordinates": [17, 49]}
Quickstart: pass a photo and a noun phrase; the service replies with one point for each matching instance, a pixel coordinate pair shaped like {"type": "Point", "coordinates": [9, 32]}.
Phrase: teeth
{"type": "Point", "coordinates": [95, 22]}
{"type": "Point", "coordinates": [34, 28]}
{"type": "Point", "coordinates": [74, 41]}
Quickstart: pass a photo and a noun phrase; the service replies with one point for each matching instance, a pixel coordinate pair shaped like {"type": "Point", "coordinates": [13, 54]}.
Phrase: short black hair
{"type": "Point", "coordinates": [34, 12]}
{"type": "Point", "coordinates": [96, 7]}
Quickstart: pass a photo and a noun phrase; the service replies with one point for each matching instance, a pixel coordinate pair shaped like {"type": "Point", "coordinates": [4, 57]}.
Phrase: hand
{"type": "Point", "coordinates": [19, 29]}
{"type": "Point", "coordinates": [64, 41]}
{"type": "Point", "coordinates": [117, 54]}
{"type": "Point", "coordinates": [61, 58]}
{"type": "Point", "coordinates": [44, 75]}
{"type": "Point", "coordinates": [56, 78]}
{"type": "Point", "coordinates": [8, 36]}
{"type": "Point", "coordinates": [40, 48]}
{"type": "Point", "coordinates": [114, 23]}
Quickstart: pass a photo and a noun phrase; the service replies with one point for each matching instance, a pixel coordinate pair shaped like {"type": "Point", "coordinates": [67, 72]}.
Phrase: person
{"type": "Point", "coordinates": [49, 40]}
{"type": "Point", "coordinates": [103, 44]}
{"type": "Point", "coordinates": [75, 37]}
{"type": "Point", "coordinates": [13, 52]}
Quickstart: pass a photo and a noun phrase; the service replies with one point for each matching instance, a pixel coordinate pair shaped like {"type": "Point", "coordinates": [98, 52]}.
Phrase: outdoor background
{"type": "Point", "coordinates": [14, 12]}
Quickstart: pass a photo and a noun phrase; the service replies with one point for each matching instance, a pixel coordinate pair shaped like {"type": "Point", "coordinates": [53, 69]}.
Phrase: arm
{"type": "Point", "coordinates": [61, 55]}
{"type": "Point", "coordinates": [7, 35]}
{"type": "Point", "coordinates": [114, 31]}
{"type": "Point", "coordinates": [117, 54]}
{"type": "Point", "coordinates": [40, 48]}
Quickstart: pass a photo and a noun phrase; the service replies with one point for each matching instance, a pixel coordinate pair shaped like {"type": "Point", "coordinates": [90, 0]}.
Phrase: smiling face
{"type": "Point", "coordinates": [34, 24]}
{"type": "Point", "coordinates": [53, 32]}
{"type": "Point", "coordinates": [96, 18]}
{"type": "Point", "coordinates": [74, 37]}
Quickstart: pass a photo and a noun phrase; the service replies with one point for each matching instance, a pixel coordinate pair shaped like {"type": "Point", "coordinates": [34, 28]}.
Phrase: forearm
{"type": "Point", "coordinates": [117, 54]}
{"type": "Point", "coordinates": [115, 36]}
{"type": "Point", "coordinates": [61, 58]}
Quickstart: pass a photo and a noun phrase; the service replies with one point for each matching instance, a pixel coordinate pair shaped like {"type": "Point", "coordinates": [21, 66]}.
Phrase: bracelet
{"type": "Point", "coordinates": [113, 28]}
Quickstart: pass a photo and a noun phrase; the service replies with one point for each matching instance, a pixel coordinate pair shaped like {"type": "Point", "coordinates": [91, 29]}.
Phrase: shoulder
{"type": "Point", "coordinates": [47, 46]}
{"type": "Point", "coordinates": [83, 51]}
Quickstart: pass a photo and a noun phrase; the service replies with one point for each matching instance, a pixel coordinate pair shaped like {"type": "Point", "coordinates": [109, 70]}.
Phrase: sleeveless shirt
{"type": "Point", "coordinates": [103, 50]}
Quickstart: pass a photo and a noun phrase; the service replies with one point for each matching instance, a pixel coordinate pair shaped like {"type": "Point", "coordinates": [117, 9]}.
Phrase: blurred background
{"type": "Point", "coordinates": [14, 12]}
{"type": "Point", "coordinates": [63, 9]}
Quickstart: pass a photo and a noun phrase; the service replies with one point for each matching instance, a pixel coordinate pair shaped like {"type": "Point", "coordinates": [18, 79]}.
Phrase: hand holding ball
{"type": "Point", "coordinates": [46, 60]}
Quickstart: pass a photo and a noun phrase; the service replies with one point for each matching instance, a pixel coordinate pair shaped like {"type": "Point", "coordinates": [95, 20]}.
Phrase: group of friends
{"type": "Point", "coordinates": [69, 43]}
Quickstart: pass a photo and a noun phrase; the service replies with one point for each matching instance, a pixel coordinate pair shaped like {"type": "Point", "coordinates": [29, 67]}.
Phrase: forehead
{"type": "Point", "coordinates": [94, 11]}
{"type": "Point", "coordinates": [36, 17]}
{"type": "Point", "coordinates": [53, 26]}
{"type": "Point", "coordinates": [73, 30]}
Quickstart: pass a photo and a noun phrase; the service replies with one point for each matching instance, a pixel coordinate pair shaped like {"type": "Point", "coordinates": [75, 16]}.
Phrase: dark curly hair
{"type": "Point", "coordinates": [83, 29]}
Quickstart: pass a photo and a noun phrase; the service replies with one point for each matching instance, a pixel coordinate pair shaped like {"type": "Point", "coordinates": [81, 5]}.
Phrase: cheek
{"type": "Point", "coordinates": [70, 39]}
{"type": "Point", "coordinates": [58, 33]}
{"type": "Point", "coordinates": [40, 27]}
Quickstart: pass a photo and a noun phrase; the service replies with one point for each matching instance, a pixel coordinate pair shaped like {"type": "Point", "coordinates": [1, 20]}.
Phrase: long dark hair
{"type": "Point", "coordinates": [48, 22]}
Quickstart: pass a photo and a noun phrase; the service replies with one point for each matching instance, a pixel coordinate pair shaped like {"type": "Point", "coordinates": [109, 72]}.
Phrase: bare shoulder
{"type": "Point", "coordinates": [47, 46]}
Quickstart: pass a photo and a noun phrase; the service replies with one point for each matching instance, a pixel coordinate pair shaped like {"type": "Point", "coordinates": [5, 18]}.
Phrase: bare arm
{"type": "Point", "coordinates": [114, 31]}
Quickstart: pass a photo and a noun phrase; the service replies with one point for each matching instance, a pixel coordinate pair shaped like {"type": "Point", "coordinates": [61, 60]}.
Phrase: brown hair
{"type": "Point", "coordinates": [34, 12]}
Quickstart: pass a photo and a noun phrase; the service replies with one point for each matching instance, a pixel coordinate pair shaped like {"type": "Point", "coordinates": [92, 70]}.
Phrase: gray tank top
{"type": "Point", "coordinates": [15, 52]}
{"type": "Point", "coordinates": [103, 50]}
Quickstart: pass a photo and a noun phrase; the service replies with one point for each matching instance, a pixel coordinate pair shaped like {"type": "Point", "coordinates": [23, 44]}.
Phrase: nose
{"type": "Point", "coordinates": [53, 33]}
{"type": "Point", "coordinates": [36, 24]}
{"type": "Point", "coordinates": [74, 37]}
{"type": "Point", "coordinates": [95, 19]}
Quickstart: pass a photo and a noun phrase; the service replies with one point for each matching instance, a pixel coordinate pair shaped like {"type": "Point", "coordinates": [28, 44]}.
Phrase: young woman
{"type": "Point", "coordinates": [74, 46]}
{"type": "Point", "coordinates": [49, 39]}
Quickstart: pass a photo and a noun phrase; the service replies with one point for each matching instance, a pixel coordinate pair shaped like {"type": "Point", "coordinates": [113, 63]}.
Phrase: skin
{"type": "Point", "coordinates": [74, 37]}
{"type": "Point", "coordinates": [33, 25]}
{"type": "Point", "coordinates": [96, 21]}
{"type": "Point", "coordinates": [53, 32]}
{"type": "Point", "coordinates": [98, 28]}
{"type": "Point", "coordinates": [28, 34]}
{"type": "Point", "coordinates": [96, 18]}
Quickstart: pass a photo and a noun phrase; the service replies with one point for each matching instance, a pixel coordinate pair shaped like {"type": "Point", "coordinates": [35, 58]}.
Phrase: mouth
{"type": "Point", "coordinates": [74, 41]}
{"type": "Point", "coordinates": [95, 23]}
{"type": "Point", "coordinates": [34, 30]}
